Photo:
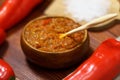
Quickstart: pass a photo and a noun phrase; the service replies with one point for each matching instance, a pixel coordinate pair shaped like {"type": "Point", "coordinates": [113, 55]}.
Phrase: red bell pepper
{"type": "Point", "coordinates": [12, 11]}
{"type": "Point", "coordinates": [103, 64]}
{"type": "Point", "coordinates": [6, 72]}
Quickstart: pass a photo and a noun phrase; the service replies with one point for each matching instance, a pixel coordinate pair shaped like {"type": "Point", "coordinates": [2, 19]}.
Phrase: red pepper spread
{"type": "Point", "coordinates": [43, 34]}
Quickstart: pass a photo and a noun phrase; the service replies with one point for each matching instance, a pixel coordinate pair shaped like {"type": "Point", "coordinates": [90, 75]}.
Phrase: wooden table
{"type": "Point", "coordinates": [12, 53]}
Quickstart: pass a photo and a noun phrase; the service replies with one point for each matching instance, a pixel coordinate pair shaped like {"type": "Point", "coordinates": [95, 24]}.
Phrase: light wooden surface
{"type": "Point", "coordinates": [58, 8]}
{"type": "Point", "coordinates": [12, 53]}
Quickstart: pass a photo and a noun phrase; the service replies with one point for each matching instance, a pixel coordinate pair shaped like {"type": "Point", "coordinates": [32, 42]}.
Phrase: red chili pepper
{"type": "Point", "coordinates": [6, 72]}
{"type": "Point", "coordinates": [104, 63]}
{"type": "Point", "coordinates": [12, 11]}
{"type": "Point", "coordinates": [2, 36]}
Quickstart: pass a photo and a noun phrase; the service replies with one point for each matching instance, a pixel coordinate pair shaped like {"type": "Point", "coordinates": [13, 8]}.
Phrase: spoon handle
{"type": "Point", "coordinates": [92, 23]}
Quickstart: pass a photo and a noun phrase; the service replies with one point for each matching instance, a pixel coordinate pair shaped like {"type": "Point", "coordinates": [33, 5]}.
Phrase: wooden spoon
{"type": "Point", "coordinates": [92, 23]}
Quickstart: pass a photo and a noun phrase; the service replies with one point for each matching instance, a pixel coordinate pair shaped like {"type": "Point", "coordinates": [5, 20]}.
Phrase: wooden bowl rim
{"type": "Point", "coordinates": [43, 17]}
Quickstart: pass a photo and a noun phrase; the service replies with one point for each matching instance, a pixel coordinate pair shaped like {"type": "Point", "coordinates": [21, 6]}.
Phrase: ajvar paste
{"type": "Point", "coordinates": [43, 34]}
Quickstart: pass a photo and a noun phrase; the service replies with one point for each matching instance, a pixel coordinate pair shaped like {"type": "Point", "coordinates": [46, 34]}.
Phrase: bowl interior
{"type": "Point", "coordinates": [44, 17]}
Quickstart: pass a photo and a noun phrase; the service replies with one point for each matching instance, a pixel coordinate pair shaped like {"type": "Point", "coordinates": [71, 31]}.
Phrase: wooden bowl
{"type": "Point", "coordinates": [55, 60]}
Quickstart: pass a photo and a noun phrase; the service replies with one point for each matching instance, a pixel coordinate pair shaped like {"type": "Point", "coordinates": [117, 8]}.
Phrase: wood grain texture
{"type": "Point", "coordinates": [12, 53]}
